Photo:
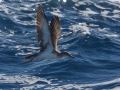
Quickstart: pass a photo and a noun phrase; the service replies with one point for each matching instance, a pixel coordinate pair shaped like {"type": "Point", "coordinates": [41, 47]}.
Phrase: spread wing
{"type": "Point", "coordinates": [43, 31]}
{"type": "Point", "coordinates": [55, 30]}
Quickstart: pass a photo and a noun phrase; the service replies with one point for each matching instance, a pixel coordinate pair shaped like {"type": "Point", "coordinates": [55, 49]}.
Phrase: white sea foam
{"type": "Point", "coordinates": [1, 1]}
{"type": "Point", "coordinates": [115, 0]}
{"type": "Point", "coordinates": [23, 80]}
{"type": "Point", "coordinates": [86, 86]}
{"type": "Point", "coordinates": [87, 12]}
{"type": "Point", "coordinates": [32, 87]}
{"type": "Point", "coordinates": [57, 14]}
{"type": "Point", "coordinates": [115, 88]}
{"type": "Point", "coordinates": [95, 31]}
{"type": "Point", "coordinates": [62, 0]}
{"type": "Point", "coordinates": [80, 27]}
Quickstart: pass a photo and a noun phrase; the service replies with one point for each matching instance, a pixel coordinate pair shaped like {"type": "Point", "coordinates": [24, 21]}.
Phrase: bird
{"type": "Point", "coordinates": [47, 36]}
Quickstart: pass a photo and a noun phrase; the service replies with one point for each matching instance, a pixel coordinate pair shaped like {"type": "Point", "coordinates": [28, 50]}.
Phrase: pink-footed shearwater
{"type": "Point", "coordinates": [47, 35]}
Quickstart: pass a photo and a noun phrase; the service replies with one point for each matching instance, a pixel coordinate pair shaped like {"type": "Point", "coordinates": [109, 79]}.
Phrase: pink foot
{"type": "Point", "coordinates": [26, 61]}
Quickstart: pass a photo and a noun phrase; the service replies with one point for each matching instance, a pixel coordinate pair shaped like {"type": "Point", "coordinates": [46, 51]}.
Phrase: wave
{"type": "Point", "coordinates": [34, 82]}
{"type": "Point", "coordinates": [89, 31]}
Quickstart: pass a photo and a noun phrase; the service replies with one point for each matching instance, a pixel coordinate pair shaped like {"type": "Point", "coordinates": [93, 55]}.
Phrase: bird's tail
{"type": "Point", "coordinates": [31, 56]}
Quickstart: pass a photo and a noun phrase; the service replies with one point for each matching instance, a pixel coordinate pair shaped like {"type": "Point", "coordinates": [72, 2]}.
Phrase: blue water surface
{"type": "Point", "coordinates": [90, 31]}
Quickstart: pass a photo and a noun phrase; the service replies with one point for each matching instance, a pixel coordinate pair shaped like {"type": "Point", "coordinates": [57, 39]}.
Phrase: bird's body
{"type": "Point", "coordinates": [48, 55]}
{"type": "Point", "coordinates": [48, 35]}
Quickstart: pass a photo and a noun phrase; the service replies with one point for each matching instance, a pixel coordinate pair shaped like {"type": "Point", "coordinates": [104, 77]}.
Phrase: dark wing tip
{"type": "Point", "coordinates": [40, 11]}
{"type": "Point", "coordinates": [40, 16]}
{"type": "Point", "coordinates": [56, 18]}
{"type": "Point", "coordinates": [40, 7]}
{"type": "Point", "coordinates": [55, 21]}
{"type": "Point", "coordinates": [39, 21]}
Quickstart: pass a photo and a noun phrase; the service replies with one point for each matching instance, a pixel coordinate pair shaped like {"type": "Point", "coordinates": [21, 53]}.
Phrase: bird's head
{"type": "Point", "coordinates": [66, 55]}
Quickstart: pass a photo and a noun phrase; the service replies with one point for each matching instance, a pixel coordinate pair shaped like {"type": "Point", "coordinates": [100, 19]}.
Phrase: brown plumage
{"type": "Point", "coordinates": [40, 19]}
{"type": "Point", "coordinates": [55, 30]}
{"type": "Point", "coordinates": [48, 35]}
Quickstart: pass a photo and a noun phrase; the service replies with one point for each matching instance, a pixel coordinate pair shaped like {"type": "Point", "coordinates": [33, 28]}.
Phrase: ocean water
{"type": "Point", "coordinates": [90, 31]}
